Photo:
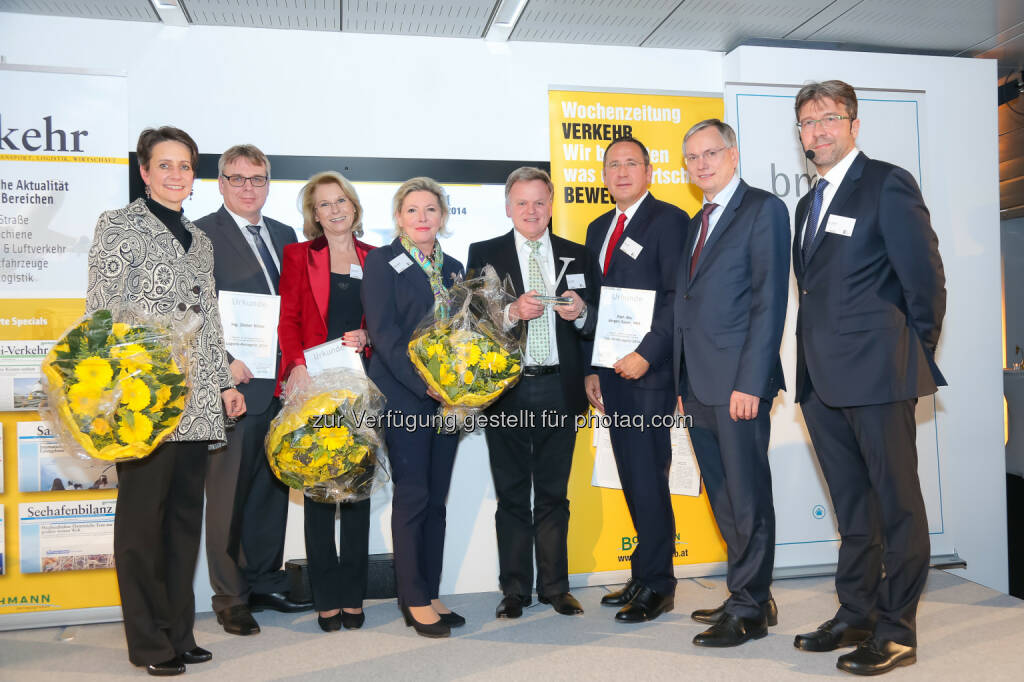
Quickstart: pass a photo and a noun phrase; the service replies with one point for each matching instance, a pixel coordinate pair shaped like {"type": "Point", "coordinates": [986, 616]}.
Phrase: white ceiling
{"type": "Point", "coordinates": [985, 28]}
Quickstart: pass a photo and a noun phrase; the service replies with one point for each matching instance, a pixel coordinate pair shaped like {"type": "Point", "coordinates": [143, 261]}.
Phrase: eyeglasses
{"type": "Point", "coordinates": [325, 206]}
{"type": "Point", "coordinates": [710, 156]}
{"type": "Point", "coordinates": [830, 121]}
{"type": "Point", "coordinates": [240, 180]}
{"type": "Point", "coordinates": [629, 165]}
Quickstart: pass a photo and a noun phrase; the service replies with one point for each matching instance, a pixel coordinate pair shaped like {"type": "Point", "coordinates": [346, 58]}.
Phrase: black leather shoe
{"type": "Point", "coordinates": [563, 603]}
{"type": "Point", "coordinates": [175, 666]}
{"type": "Point", "coordinates": [875, 656]}
{"type": "Point", "coordinates": [277, 601]}
{"type": "Point", "coordinates": [352, 621]}
{"type": "Point", "coordinates": [646, 605]}
{"type": "Point", "coordinates": [330, 623]}
{"type": "Point", "coordinates": [712, 616]}
{"type": "Point", "coordinates": [197, 655]}
{"type": "Point", "coordinates": [452, 619]}
{"type": "Point", "coordinates": [435, 630]}
{"type": "Point", "coordinates": [511, 606]}
{"type": "Point", "coordinates": [831, 635]}
{"type": "Point", "coordinates": [622, 596]}
{"type": "Point", "coordinates": [238, 620]}
{"type": "Point", "coordinates": [732, 630]}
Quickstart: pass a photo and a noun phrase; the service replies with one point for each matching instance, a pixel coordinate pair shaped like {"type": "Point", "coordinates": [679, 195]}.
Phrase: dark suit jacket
{"type": "Point", "coordinates": [500, 253]}
{"type": "Point", "coordinates": [305, 294]}
{"type": "Point", "coordinates": [871, 304]}
{"type": "Point", "coordinates": [660, 228]}
{"type": "Point", "coordinates": [394, 304]}
{"type": "Point", "coordinates": [237, 268]}
{"type": "Point", "coordinates": [729, 316]}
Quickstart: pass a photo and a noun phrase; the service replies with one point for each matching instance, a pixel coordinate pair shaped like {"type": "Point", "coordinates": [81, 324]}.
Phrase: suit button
{"type": "Point", "coordinates": [803, 291]}
{"type": "Point", "coordinates": [195, 289]}
{"type": "Point", "coordinates": [182, 306]}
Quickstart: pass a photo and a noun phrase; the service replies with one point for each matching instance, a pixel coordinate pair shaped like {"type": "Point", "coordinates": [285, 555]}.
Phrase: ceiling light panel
{"type": "Point", "coordinates": [126, 10]}
{"type": "Point", "coordinates": [596, 22]}
{"type": "Point", "coordinates": [723, 24]}
{"type": "Point", "coordinates": [453, 19]}
{"type": "Point", "coordinates": [307, 15]}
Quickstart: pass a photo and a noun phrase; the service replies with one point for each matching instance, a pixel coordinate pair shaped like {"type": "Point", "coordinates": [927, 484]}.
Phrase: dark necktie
{"type": "Point", "coordinates": [812, 219]}
{"type": "Point", "coordinates": [613, 242]}
{"type": "Point", "coordinates": [268, 261]}
{"type": "Point", "coordinates": [705, 220]}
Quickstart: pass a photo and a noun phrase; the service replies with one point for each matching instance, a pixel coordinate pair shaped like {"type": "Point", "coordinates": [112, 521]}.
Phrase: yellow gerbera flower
{"type": "Point", "coordinates": [163, 394]}
{"type": "Point", "coordinates": [100, 426]}
{"type": "Point", "coordinates": [135, 428]}
{"type": "Point", "coordinates": [120, 328]}
{"type": "Point", "coordinates": [305, 442]}
{"type": "Point", "coordinates": [135, 393]}
{"type": "Point", "coordinates": [84, 399]}
{"type": "Point", "coordinates": [494, 362]}
{"type": "Point", "coordinates": [134, 358]}
{"type": "Point", "coordinates": [94, 370]}
{"type": "Point", "coordinates": [467, 378]}
{"type": "Point", "coordinates": [335, 438]}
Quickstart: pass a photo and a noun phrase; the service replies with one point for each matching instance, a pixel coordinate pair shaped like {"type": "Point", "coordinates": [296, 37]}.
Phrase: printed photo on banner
{"type": "Point", "coordinates": [20, 384]}
{"type": "Point", "coordinates": [44, 465]}
{"type": "Point", "coordinates": [66, 536]}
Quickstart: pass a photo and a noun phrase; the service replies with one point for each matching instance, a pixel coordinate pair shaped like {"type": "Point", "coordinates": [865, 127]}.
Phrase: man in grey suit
{"type": "Point", "coordinates": [246, 506]}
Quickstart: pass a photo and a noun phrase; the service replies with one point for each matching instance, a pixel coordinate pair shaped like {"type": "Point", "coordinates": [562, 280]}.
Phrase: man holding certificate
{"type": "Point", "coordinates": [246, 506]}
{"type": "Point", "coordinates": [538, 456]}
{"type": "Point", "coordinates": [730, 308]}
{"type": "Point", "coordinates": [638, 245]}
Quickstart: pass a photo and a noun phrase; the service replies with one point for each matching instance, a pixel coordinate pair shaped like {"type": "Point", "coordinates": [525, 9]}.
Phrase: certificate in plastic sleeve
{"type": "Point", "coordinates": [66, 536]}
{"type": "Point", "coordinates": [332, 355]}
{"type": "Point", "coordinates": [250, 330]}
{"type": "Point", "coordinates": [624, 316]}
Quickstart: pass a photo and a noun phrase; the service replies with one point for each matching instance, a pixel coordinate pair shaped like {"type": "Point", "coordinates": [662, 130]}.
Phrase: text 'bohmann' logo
{"type": "Point", "coordinates": [44, 138]}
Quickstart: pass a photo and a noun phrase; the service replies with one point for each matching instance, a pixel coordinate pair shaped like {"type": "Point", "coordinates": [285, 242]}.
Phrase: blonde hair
{"type": "Point", "coordinates": [311, 228]}
{"type": "Point", "coordinates": [420, 184]}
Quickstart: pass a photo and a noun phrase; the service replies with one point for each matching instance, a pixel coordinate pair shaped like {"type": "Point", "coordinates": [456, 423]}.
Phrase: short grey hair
{"type": "Point", "coordinates": [420, 184]}
{"type": "Point", "coordinates": [839, 92]}
{"type": "Point", "coordinates": [528, 174]}
{"type": "Point", "coordinates": [244, 151]}
{"type": "Point", "coordinates": [728, 134]}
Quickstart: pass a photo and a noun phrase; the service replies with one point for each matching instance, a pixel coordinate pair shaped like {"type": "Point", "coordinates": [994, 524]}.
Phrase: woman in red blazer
{"type": "Point", "coordinates": [320, 301]}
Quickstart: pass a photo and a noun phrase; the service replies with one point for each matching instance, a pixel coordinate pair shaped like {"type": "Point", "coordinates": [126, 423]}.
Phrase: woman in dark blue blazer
{"type": "Point", "coordinates": [402, 283]}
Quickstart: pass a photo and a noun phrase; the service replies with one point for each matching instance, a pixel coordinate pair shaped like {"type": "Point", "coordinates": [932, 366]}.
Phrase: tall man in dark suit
{"type": "Point", "coordinates": [538, 455]}
{"type": "Point", "coordinates": [246, 506]}
{"type": "Point", "coordinates": [730, 309]}
{"type": "Point", "coordinates": [872, 299]}
{"type": "Point", "coordinates": [638, 245]}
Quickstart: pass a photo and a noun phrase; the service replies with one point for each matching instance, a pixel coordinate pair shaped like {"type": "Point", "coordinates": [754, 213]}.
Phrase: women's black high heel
{"type": "Point", "coordinates": [352, 621]}
{"type": "Point", "coordinates": [329, 624]}
{"type": "Point", "coordinates": [433, 630]}
{"type": "Point", "coordinates": [452, 619]}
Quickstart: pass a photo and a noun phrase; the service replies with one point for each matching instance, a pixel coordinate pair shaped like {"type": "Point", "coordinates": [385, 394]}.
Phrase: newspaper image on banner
{"type": "Point", "coordinates": [20, 387]}
{"type": "Point", "coordinates": [66, 536]}
{"type": "Point", "coordinates": [44, 465]}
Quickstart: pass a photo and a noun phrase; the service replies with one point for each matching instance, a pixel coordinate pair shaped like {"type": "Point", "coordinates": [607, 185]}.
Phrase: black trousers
{"type": "Point", "coordinates": [421, 468]}
{"type": "Point", "coordinates": [642, 458]}
{"type": "Point", "coordinates": [733, 458]}
{"type": "Point", "coordinates": [869, 458]}
{"type": "Point", "coordinates": [537, 458]}
{"type": "Point", "coordinates": [337, 581]}
{"type": "Point", "coordinates": [156, 541]}
{"type": "Point", "coordinates": [246, 514]}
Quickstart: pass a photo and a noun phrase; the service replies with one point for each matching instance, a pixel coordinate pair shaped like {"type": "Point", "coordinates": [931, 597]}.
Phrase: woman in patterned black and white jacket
{"type": "Point", "coordinates": [148, 258]}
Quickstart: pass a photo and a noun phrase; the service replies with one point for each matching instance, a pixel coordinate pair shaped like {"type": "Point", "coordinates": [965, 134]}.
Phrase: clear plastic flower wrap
{"type": "Point", "coordinates": [326, 438]}
{"type": "Point", "coordinates": [116, 383]}
{"type": "Point", "coordinates": [469, 358]}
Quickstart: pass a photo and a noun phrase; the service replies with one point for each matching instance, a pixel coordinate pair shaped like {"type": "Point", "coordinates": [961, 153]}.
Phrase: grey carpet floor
{"type": "Point", "coordinates": [966, 632]}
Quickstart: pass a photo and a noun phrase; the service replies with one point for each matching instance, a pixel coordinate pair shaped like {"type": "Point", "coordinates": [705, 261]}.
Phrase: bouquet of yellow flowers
{"type": "Point", "coordinates": [325, 439]}
{"type": "Point", "coordinates": [116, 385]}
{"type": "Point", "coordinates": [469, 358]}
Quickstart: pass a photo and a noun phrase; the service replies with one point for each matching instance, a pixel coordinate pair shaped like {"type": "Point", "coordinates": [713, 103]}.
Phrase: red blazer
{"type": "Point", "coordinates": [305, 290]}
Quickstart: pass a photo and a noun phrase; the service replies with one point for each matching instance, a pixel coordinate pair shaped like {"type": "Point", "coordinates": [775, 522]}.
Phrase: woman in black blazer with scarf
{"type": "Point", "coordinates": [403, 282]}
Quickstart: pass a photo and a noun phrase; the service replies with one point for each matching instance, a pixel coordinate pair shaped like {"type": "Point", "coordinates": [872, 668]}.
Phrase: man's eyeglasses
{"type": "Point", "coordinates": [830, 121]}
{"type": "Point", "coordinates": [630, 165]}
{"type": "Point", "coordinates": [240, 180]}
{"type": "Point", "coordinates": [710, 156]}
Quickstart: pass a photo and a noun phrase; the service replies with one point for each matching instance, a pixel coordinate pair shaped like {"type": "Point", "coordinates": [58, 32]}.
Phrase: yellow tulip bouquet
{"type": "Point", "coordinates": [326, 437]}
{"type": "Point", "coordinates": [469, 358]}
{"type": "Point", "coordinates": [116, 385]}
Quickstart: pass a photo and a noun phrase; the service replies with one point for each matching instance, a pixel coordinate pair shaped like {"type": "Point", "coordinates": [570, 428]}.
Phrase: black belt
{"type": "Point", "coordinates": [539, 370]}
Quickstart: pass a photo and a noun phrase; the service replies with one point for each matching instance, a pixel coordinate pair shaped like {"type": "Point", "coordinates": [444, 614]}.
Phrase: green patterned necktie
{"type": "Point", "coordinates": [538, 340]}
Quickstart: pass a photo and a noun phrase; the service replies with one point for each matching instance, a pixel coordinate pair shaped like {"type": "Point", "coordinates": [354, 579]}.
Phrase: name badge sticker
{"type": "Point", "coordinates": [631, 248]}
{"type": "Point", "coordinates": [400, 262]}
{"type": "Point", "coordinates": [575, 281]}
{"type": "Point", "coordinates": [355, 271]}
{"type": "Point", "coordinates": [840, 225]}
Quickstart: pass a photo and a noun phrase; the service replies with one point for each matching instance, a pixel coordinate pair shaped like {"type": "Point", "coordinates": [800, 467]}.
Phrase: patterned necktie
{"type": "Point", "coordinates": [705, 220]}
{"type": "Point", "coordinates": [613, 242]}
{"type": "Point", "coordinates": [538, 341]}
{"type": "Point", "coordinates": [268, 261]}
{"type": "Point", "coordinates": [812, 218]}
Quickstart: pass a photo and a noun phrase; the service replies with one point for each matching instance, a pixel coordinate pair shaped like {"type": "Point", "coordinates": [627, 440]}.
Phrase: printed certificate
{"type": "Point", "coordinates": [332, 355]}
{"type": "Point", "coordinates": [250, 330]}
{"type": "Point", "coordinates": [66, 536]}
{"type": "Point", "coordinates": [44, 465]}
{"type": "Point", "coordinates": [624, 316]}
{"type": "Point", "coordinates": [683, 477]}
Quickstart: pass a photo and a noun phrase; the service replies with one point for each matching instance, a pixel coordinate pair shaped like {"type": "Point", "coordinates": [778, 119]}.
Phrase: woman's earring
{"type": "Point", "coordinates": [149, 192]}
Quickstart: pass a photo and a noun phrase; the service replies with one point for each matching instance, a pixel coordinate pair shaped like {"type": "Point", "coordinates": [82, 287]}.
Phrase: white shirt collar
{"type": "Point", "coordinates": [838, 172]}
{"type": "Point", "coordinates": [631, 209]}
{"type": "Point", "coordinates": [242, 222]}
{"type": "Point", "coordinates": [725, 196]}
{"type": "Point", "coordinates": [545, 240]}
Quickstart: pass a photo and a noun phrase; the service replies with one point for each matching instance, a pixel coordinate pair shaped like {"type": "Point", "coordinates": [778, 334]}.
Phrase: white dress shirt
{"type": "Point", "coordinates": [249, 239]}
{"type": "Point", "coordinates": [835, 178]}
{"type": "Point", "coordinates": [722, 199]}
{"type": "Point", "coordinates": [630, 211]}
